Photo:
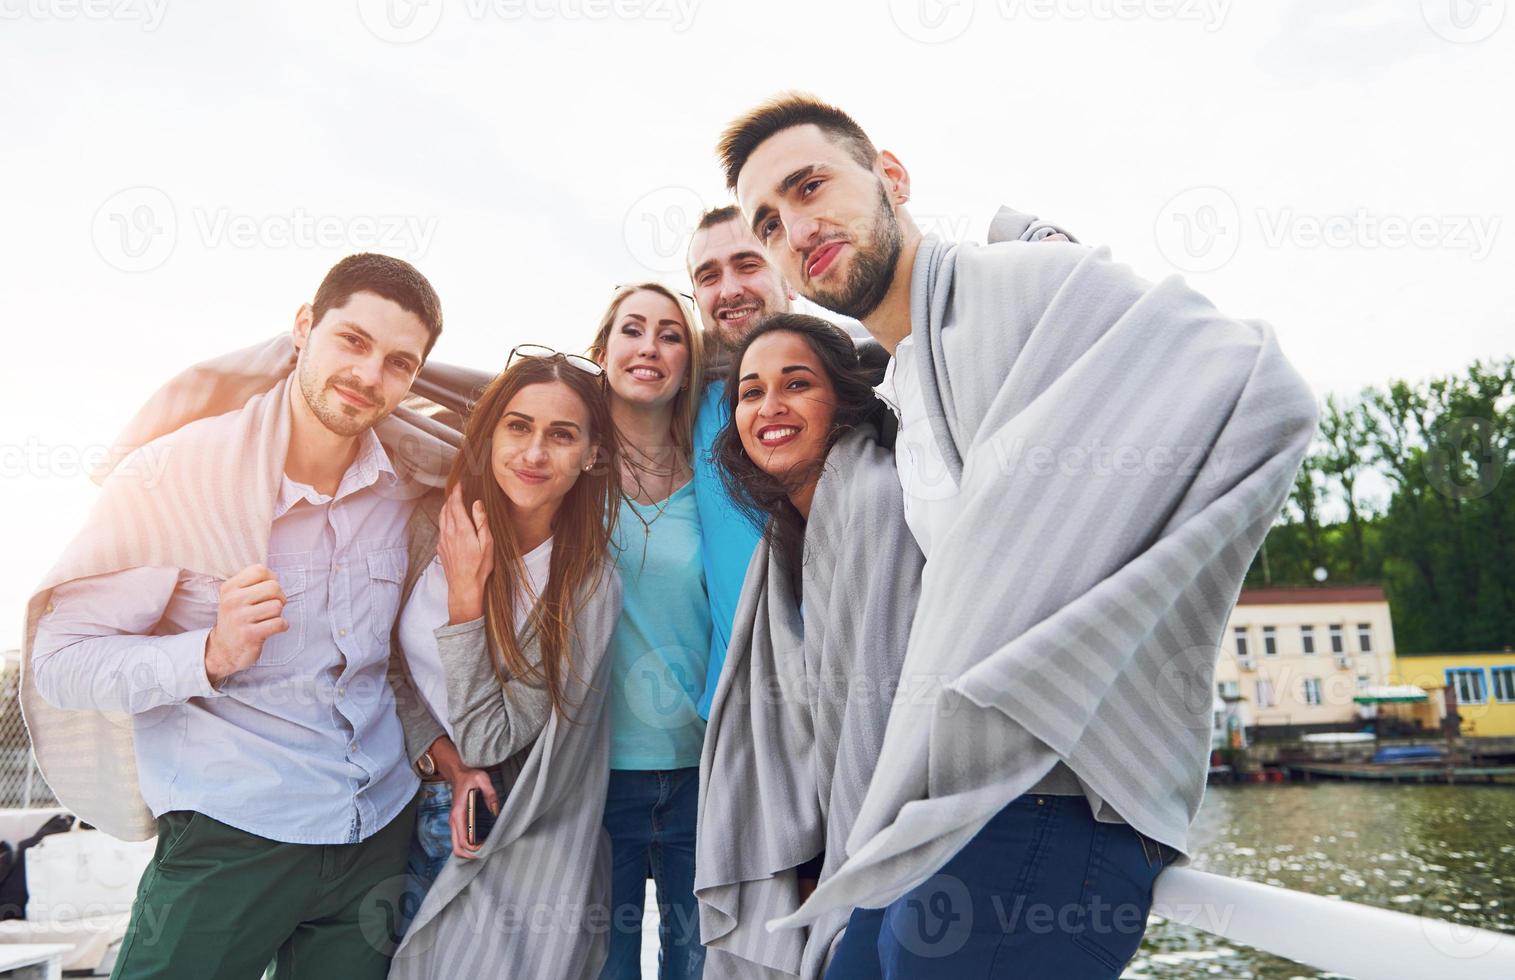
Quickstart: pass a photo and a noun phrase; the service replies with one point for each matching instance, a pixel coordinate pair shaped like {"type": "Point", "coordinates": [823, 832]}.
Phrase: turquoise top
{"type": "Point", "coordinates": [727, 536]}
{"type": "Point", "coordinates": [661, 643]}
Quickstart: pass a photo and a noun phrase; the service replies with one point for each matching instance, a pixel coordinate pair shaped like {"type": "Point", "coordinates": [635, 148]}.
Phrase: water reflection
{"type": "Point", "coordinates": [1442, 851]}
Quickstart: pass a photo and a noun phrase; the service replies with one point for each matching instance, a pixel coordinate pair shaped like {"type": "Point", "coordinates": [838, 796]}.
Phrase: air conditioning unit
{"type": "Point", "coordinates": [1343, 661]}
{"type": "Point", "coordinates": [1247, 663]}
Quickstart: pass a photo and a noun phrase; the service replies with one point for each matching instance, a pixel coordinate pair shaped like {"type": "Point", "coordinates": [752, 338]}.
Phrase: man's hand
{"type": "Point", "coordinates": [250, 611]}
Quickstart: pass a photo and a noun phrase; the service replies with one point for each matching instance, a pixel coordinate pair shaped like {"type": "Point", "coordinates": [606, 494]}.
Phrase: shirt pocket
{"type": "Point", "coordinates": [281, 648]}
{"type": "Point", "coordinates": [386, 577]}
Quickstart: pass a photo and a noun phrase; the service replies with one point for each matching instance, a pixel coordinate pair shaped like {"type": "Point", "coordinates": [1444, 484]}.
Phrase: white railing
{"type": "Point", "coordinates": [1336, 936]}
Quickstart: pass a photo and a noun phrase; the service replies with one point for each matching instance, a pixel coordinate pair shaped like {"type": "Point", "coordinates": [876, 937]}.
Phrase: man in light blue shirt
{"type": "Point", "coordinates": [734, 287]}
{"type": "Point", "coordinates": [267, 742]}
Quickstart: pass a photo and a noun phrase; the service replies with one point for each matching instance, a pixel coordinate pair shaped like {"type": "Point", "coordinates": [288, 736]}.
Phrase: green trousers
{"type": "Point", "coordinates": [219, 902]}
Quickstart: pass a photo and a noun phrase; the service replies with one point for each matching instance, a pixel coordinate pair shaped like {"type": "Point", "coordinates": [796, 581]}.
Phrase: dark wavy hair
{"type": "Point", "coordinates": [763, 496]}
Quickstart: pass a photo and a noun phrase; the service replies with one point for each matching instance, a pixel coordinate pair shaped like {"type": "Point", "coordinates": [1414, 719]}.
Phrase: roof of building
{"type": "Point", "coordinates": [1294, 594]}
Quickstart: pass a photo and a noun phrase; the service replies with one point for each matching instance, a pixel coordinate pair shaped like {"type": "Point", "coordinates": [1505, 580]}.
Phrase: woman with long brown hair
{"type": "Point", "coordinates": [651, 353]}
{"type": "Point", "coordinates": [505, 632]}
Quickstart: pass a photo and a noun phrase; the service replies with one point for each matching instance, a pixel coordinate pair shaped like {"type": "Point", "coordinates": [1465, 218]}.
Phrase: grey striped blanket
{"type": "Point", "coordinates": [535, 902]}
{"type": "Point", "coordinates": [1121, 448]}
{"type": "Point", "coordinates": [799, 715]}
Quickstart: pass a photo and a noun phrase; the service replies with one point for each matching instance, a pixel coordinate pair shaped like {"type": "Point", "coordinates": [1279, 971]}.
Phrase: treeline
{"type": "Point", "coordinates": [1443, 542]}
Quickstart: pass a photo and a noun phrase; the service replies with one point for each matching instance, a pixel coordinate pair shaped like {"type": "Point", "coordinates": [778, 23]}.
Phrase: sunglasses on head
{"type": "Point", "coordinates": [547, 353]}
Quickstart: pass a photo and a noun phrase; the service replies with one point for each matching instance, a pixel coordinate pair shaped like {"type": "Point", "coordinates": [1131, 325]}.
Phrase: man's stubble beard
{"type": "Point", "coordinates": [872, 269]}
{"type": "Point", "coordinates": [335, 420]}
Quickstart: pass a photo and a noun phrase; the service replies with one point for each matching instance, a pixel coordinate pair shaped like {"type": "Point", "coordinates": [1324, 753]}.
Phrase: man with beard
{"type": "Point", "coordinates": [1075, 583]}
{"type": "Point", "coordinates": [237, 607]}
{"type": "Point", "coordinates": [735, 287]}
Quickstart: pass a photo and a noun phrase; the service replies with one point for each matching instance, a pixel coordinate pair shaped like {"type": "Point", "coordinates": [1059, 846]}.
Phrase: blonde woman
{"type": "Point", "coordinates": [661, 643]}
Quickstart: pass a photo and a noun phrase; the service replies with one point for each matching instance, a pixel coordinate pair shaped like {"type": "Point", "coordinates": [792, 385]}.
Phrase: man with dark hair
{"type": "Point", "coordinates": [235, 604]}
{"type": "Point", "coordinates": [735, 287]}
{"type": "Point", "coordinates": [1093, 461]}
{"type": "Point", "coordinates": [397, 281]}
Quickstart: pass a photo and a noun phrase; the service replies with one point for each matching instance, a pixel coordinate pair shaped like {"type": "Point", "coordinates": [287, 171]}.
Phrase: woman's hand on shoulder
{"type": "Point", "coordinates": [466, 548]}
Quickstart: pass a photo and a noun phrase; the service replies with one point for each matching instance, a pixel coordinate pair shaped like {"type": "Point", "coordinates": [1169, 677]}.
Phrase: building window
{"type": "Point", "coordinates": [1270, 642]}
{"type": "Point", "coordinates": [1241, 641]}
{"type": "Point", "coordinates": [1365, 637]}
{"type": "Point", "coordinates": [1363, 680]}
{"type": "Point", "coordinates": [1265, 694]}
{"type": "Point", "coordinates": [1307, 640]}
{"type": "Point", "coordinates": [1337, 646]}
{"type": "Point", "coordinates": [1312, 690]}
{"type": "Point", "coordinates": [1504, 683]}
{"type": "Point", "coordinates": [1468, 683]}
{"type": "Point", "coordinates": [1228, 690]}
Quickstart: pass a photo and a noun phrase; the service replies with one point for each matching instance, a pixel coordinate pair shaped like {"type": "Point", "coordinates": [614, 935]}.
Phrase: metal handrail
{"type": "Point", "coordinates": [1332, 935]}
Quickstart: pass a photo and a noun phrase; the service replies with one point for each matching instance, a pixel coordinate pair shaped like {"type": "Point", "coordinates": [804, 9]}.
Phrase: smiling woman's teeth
{"type": "Point", "coordinates": [645, 373]}
{"type": "Point", "coordinates": [774, 435]}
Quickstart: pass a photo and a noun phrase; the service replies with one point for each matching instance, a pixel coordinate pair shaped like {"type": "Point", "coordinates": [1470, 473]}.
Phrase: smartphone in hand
{"type": "Point", "coordinates": [480, 820]}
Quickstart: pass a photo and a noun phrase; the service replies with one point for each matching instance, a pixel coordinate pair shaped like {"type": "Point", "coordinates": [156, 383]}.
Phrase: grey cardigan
{"type": "Point", "coordinates": [534, 901]}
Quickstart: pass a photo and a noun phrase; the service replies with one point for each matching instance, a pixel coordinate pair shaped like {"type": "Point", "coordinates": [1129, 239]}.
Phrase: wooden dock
{"type": "Point", "coordinates": [1401, 772]}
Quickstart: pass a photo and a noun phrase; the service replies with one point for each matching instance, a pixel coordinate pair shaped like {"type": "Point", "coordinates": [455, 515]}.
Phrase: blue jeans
{"type": "Point", "coordinates": [430, 847]}
{"type": "Point", "coordinates": [650, 817]}
{"type": "Point", "coordinates": [431, 844]}
{"type": "Point", "coordinates": [1043, 890]}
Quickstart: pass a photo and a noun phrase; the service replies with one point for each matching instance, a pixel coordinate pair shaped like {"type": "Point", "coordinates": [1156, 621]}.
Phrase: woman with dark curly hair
{"type": "Point", "coordinates": [813, 666]}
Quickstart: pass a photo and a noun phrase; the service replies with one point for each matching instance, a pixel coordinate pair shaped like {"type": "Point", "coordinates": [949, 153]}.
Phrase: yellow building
{"type": "Point", "coordinates": [1483, 682]}
{"type": "Point", "coordinates": [1294, 659]}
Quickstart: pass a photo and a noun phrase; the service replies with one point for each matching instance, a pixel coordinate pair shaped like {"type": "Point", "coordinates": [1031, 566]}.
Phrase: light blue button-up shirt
{"type": "Point", "coordinates": [302, 747]}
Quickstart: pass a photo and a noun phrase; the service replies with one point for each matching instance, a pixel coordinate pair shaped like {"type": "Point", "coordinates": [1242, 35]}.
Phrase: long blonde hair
{"type": "Point", "coordinates": [686, 404]}
{"type": "Point", "coordinates": [581, 529]}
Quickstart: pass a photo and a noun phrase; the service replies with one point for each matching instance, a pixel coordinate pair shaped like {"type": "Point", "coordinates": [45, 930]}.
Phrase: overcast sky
{"type": "Point", "coordinates": [178, 177]}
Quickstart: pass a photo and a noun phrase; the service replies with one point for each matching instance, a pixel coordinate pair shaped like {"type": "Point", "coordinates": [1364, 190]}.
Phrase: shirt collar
{"type": "Point", "coordinates": [371, 466]}
{"type": "Point", "coordinates": [886, 389]}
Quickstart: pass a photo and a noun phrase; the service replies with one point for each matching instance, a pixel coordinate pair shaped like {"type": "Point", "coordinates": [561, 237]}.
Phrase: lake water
{"type": "Point", "coordinates": [1446, 852]}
